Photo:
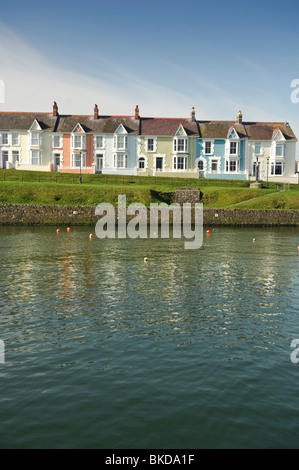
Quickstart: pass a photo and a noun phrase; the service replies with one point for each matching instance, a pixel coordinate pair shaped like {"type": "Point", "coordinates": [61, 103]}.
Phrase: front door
{"type": "Point", "coordinates": [57, 161]}
{"type": "Point", "coordinates": [99, 163]}
{"type": "Point", "coordinates": [159, 164]}
{"type": "Point", "coordinates": [4, 159]}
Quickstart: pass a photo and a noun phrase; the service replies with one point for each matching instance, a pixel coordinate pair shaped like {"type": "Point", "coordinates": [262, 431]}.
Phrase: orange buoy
{"type": "Point", "coordinates": [58, 230]}
{"type": "Point", "coordinates": [68, 229]}
{"type": "Point", "coordinates": [253, 240]}
{"type": "Point", "coordinates": [208, 232]}
{"type": "Point", "coordinates": [90, 236]}
{"type": "Point", "coordinates": [298, 248]}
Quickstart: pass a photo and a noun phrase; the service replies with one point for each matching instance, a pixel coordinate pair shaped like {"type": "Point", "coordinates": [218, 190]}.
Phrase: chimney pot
{"type": "Point", "coordinates": [55, 109]}
{"type": "Point", "coordinates": [96, 111]}
{"type": "Point", "coordinates": [192, 115]}
{"type": "Point", "coordinates": [137, 112]}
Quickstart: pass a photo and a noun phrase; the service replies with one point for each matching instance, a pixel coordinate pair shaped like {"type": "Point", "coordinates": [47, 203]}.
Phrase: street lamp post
{"type": "Point", "coordinates": [256, 169]}
{"type": "Point", "coordinates": [80, 179]}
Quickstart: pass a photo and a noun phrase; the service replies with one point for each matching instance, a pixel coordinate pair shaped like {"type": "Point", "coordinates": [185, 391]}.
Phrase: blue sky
{"type": "Point", "coordinates": [165, 56]}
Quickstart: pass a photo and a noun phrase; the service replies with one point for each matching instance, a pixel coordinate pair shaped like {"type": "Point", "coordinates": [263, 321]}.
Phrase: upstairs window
{"type": "Point", "coordinates": [233, 148]}
{"type": "Point", "coordinates": [15, 139]}
{"type": "Point", "coordinates": [120, 142]}
{"type": "Point", "coordinates": [78, 141]}
{"type": "Point", "coordinates": [99, 141]}
{"type": "Point", "coordinates": [4, 138]}
{"type": "Point", "coordinates": [36, 139]}
{"type": "Point", "coordinates": [150, 145]}
{"type": "Point", "coordinates": [208, 147]}
{"type": "Point", "coordinates": [180, 144]}
{"type": "Point", "coordinates": [57, 141]}
{"type": "Point", "coordinates": [257, 148]}
{"type": "Point", "coordinates": [279, 150]}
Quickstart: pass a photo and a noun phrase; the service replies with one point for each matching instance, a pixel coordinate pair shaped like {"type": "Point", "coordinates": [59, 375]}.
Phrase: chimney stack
{"type": "Point", "coordinates": [55, 109]}
{"type": "Point", "coordinates": [96, 112]}
{"type": "Point", "coordinates": [192, 115]}
{"type": "Point", "coordinates": [239, 117]}
{"type": "Point", "coordinates": [137, 112]}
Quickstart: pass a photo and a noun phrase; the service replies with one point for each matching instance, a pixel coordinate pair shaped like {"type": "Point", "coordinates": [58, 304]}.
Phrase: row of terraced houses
{"type": "Point", "coordinates": [134, 145]}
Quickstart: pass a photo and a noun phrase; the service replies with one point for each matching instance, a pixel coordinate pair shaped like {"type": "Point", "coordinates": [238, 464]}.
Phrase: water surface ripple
{"type": "Point", "coordinates": [189, 350]}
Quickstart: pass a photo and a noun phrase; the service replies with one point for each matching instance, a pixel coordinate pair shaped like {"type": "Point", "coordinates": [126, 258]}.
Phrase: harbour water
{"type": "Point", "coordinates": [190, 350]}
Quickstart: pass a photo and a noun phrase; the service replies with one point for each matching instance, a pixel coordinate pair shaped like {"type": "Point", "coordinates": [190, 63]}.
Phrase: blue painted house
{"type": "Point", "coordinates": [221, 149]}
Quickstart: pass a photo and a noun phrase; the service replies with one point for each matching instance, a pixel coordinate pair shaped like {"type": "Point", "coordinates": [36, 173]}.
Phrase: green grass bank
{"type": "Point", "coordinates": [18, 187]}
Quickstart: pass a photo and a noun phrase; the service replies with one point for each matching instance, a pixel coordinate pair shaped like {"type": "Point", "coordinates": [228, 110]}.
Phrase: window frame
{"type": "Point", "coordinates": [82, 163]}
{"type": "Point", "coordinates": [180, 147]}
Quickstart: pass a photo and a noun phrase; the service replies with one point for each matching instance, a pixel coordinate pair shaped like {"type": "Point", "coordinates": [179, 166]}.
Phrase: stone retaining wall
{"type": "Point", "coordinates": [27, 214]}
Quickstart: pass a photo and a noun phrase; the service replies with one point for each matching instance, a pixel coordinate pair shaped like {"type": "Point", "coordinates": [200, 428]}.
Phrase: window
{"type": "Point", "coordinates": [150, 145]}
{"type": "Point", "coordinates": [276, 168]}
{"type": "Point", "coordinates": [99, 142]}
{"type": "Point", "coordinates": [231, 166]}
{"type": "Point", "coordinates": [35, 157]}
{"type": "Point", "coordinates": [214, 166]}
{"type": "Point", "coordinates": [78, 141]}
{"type": "Point", "coordinates": [78, 159]}
{"type": "Point", "coordinates": [120, 142]}
{"type": "Point", "coordinates": [257, 148]}
{"type": "Point", "coordinates": [200, 165]}
{"type": "Point", "coordinates": [36, 139]}
{"type": "Point", "coordinates": [141, 163]}
{"type": "Point", "coordinates": [15, 156]}
{"type": "Point", "coordinates": [120, 160]}
{"type": "Point", "coordinates": [57, 141]}
{"type": "Point", "coordinates": [180, 144]}
{"type": "Point", "coordinates": [279, 150]}
{"type": "Point", "coordinates": [233, 148]}
{"type": "Point", "coordinates": [180, 163]}
{"type": "Point", "coordinates": [4, 139]}
{"type": "Point", "coordinates": [15, 139]}
{"type": "Point", "coordinates": [208, 147]}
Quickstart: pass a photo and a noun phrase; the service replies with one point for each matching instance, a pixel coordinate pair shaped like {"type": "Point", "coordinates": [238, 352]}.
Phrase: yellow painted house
{"type": "Point", "coordinates": [167, 146]}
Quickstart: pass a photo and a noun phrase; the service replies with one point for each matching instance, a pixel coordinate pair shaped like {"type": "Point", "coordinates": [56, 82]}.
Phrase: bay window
{"type": "Point", "coordinates": [180, 163]}
{"type": "Point", "coordinates": [277, 168]}
{"type": "Point", "coordinates": [36, 158]}
{"type": "Point", "coordinates": [120, 160]}
{"type": "Point", "coordinates": [78, 159]}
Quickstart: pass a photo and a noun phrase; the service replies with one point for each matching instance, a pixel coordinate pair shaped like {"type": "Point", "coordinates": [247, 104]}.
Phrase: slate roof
{"type": "Point", "coordinates": [249, 130]}
{"type": "Point", "coordinates": [144, 126]}
{"type": "Point", "coordinates": [102, 125]}
{"type": "Point", "coordinates": [167, 126]}
{"type": "Point", "coordinates": [23, 121]}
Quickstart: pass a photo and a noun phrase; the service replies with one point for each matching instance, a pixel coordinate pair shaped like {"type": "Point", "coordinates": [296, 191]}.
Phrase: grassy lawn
{"type": "Point", "coordinates": [22, 187]}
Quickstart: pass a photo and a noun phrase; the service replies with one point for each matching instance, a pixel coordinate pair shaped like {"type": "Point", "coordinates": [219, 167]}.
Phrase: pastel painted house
{"type": "Point", "coordinates": [167, 147]}
{"type": "Point", "coordinates": [244, 150]}
{"type": "Point", "coordinates": [25, 141]}
{"type": "Point", "coordinates": [97, 144]}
